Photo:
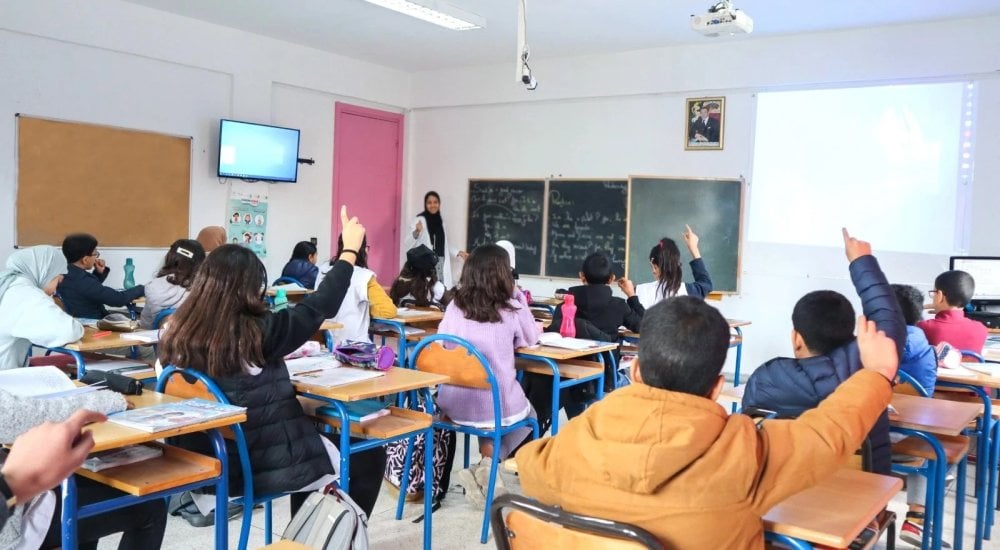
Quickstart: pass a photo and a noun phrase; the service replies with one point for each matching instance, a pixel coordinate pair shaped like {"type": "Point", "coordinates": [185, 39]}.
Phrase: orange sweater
{"type": "Point", "coordinates": [678, 466]}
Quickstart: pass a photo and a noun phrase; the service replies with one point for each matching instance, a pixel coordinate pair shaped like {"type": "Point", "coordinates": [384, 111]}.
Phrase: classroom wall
{"type": "Point", "coordinates": [111, 62]}
{"type": "Point", "coordinates": [614, 115]}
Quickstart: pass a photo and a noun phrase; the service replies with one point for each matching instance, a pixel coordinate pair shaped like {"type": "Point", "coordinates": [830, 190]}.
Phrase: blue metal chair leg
{"type": "Point", "coordinates": [428, 484]}
{"type": "Point", "coordinates": [793, 544]}
{"type": "Point", "coordinates": [959, 502]}
{"type": "Point", "coordinates": [268, 528]}
{"type": "Point", "coordinates": [404, 479]}
{"type": "Point", "coordinates": [494, 466]}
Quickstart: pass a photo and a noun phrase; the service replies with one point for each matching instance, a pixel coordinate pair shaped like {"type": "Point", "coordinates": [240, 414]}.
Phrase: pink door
{"type": "Point", "coordinates": [367, 177]}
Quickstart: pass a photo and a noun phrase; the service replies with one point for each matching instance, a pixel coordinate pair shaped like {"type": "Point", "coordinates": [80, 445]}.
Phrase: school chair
{"type": "Point", "coordinates": [528, 524]}
{"type": "Point", "coordinates": [190, 383]}
{"type": "Point", "coordinates": [466, 367]}
{"type": "Point", "coordinates": [287, 281]}
{"type": "Point", "coordinates": [908, 385]}
{"type": "Point", "coordinates": [162, 316]}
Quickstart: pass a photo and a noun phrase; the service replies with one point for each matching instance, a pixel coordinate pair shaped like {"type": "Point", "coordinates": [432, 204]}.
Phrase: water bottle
{"type": "Point", "coordinates": [568, 327]}
{"type": "Point", "coordinates": [129, 274]}
{"type": "Point", "coordinates": [280, 300]}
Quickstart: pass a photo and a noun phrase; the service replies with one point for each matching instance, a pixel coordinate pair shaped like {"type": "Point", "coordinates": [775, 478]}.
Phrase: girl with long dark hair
{"type": "Point", "coordinates": [665, 261]}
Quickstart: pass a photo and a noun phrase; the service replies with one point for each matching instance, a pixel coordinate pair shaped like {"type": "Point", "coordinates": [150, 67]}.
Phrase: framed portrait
{"type": "Point", "coordinates": [706, 123]}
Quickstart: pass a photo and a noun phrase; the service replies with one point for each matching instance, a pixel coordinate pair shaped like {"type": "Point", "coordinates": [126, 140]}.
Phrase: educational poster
{"type": "Point", "coordinates": [248, 220]}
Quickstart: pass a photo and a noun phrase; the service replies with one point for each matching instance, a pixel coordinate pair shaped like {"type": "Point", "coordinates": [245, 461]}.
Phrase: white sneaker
{"type": "Point", "coordinates": [482, 472]}
{"type": "Point", "coordinates": [473, 490]}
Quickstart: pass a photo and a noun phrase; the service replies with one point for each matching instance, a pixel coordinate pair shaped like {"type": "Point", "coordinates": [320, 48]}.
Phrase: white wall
{"type": "Point", "coordinates": [615, 115]}
{"type": "Point", "coordinates": [111, 62]}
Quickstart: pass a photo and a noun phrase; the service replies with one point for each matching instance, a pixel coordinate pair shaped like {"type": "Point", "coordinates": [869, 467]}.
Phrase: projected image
{"type": "Point", "coordinates": [705, 120]}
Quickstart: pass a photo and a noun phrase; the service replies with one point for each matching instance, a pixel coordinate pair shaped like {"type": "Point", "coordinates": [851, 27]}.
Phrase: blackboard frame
{"type": "Point", "coordinates": [741, 222]}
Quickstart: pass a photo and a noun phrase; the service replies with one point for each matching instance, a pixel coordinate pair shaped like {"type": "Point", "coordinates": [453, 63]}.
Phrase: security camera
{"type": "Point", "coordinates": [529, 81]}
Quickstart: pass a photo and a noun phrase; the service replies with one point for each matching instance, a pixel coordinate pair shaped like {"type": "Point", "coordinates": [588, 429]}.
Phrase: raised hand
{"type": "Point", "coordinates": [351, 231]}
{"type": "Point", "coordinates": [855, 248]}
{"type": "Point", "coordinates": [878, 351]}
{"type": "Point", "coordinates": [691, 240]}
{"type": "Point", "coordinates": [627, 287]}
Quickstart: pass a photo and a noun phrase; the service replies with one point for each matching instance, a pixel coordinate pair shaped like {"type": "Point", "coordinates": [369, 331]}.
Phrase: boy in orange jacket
{"type": "Point", "coordinates": [661, 454]}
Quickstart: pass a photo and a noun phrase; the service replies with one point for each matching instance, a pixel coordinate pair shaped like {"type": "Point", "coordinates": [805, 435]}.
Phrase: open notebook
{"type": "Point", "coordinates": [327, 371]}
{"type": "Point", "coordinates": [40, 382]}
{"type": "Point", "coordinates": [555, 340]}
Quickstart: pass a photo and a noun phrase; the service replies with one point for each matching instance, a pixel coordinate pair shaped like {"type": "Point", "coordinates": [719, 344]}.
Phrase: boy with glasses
{"type": "Point", "coordinates": [83, 292]}
{"type": "Point", "coordinates": [952, 292]}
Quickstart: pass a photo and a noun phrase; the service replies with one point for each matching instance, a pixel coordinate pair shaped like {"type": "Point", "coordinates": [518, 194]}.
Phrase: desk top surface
{"type": "Point", "coordinates": [395, 380]}
{"type": "Point", "coordinates": [935, 416]}
{"type": "Point", "coordinates": [978, 379]}
{"type": "Point", "coordinates": [108, 435]}
{"type": "Point", "coordinates": [836, 510]}
{"type": "Point", "coordinates": [415, 316]}
{"type": "Point", "coordinates": [550, 352]}
{"type": "Point", "coordinates": [113, 340]}
{"type": "Point", "coordinates": [331, 325]}
{"type": "Point", "coordinates": [733, 323]}
{"type": "Point", "coordinates": [273, 291]}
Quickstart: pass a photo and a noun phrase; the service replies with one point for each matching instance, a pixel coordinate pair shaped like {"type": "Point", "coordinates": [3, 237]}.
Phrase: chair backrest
{"type": "Point", "coordinates": [287, 281]}
{"type": "Point", "coordinates": [909, 385]}
{"type": "Point", "coordinates": [974, 356]}
{"type": "Point", "coordinates": [162, 316]}
{"type": "Point", "coordinates": [463, 363]}
{"type": "Point", "coordinates": [529, 524]}
{"type": "Point", "coordinates": [59, 302]}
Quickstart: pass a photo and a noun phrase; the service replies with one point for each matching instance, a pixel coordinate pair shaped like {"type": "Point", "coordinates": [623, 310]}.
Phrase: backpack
{"type": "Point", "coordinates": [329, 520]}
{"type": "Point", "coordinates": [364, 354]}
{"type": "Point", "coordinates": [444, 458]}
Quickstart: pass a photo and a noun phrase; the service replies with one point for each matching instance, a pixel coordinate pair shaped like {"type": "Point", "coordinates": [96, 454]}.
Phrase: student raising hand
{"type": "Point", "coordinates": [878, 351]}
{"type": "Point", "coordinates": [855, 248]}
{"type": "Point", "coordinates": [353, 234]}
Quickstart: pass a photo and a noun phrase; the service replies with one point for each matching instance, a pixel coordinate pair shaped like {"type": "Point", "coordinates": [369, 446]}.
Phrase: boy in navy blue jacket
{"type": "Point", "coordinates": [83, 293]}
{"type": "Point", "coordinates": [826, 353]}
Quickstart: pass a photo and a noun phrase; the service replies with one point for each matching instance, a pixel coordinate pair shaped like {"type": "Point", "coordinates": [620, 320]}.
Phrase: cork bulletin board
{"type": "Point", "coordinates": [129, 188]}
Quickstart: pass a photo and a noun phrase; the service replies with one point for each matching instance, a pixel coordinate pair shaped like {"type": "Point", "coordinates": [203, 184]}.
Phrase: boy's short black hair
{"type": "Point", "coordinates": [683, 346]}
{"type": "Point", "coordinates": [824, 319]}
{"type": "Point", "coordinates": [957, 287]}
{"type": "Point", "coordinates": [597, 268]}
{"type": "Point", "coordinates": [78, 245]}
{"type": "Point", "coordinates": [911, 301]}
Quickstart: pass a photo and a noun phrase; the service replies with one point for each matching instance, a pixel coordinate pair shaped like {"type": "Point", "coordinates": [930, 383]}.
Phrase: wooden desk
{"type": "Point", "coordinates": [176, 471]}
{"type": "Point", "coordinates": [935, 416]}
{"type": "Point", "coordinates": [111, 341]}
{"type": "Point", "coordinates": [547, 357]}
{"type": "Point", "coordinates": [835, 511]}
{"type": "Point", "coordinates": [735, 342]}
{"type": "Point", "coordinates": [330, 325]}
{"type": "Point", "coordinates": [273, 291]}
{"type": "Point", "coordinates": [396, 327]}
{"type": "Point", "coordinates": [396, 380]}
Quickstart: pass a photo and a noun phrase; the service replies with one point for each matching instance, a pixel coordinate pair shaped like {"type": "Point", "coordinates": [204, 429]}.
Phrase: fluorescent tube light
{"type": "Point", "coordinates": [434, 11]}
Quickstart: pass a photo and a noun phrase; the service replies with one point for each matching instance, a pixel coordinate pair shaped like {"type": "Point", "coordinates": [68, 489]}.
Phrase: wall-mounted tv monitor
{"type": "Point", "coordinates": [258, 152]}
{"type": "Point", "coordinates": [985, 270]}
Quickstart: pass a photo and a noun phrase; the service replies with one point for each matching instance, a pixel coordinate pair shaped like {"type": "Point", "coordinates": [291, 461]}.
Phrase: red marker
{"type": "Point", "coordinates": [102, 334]}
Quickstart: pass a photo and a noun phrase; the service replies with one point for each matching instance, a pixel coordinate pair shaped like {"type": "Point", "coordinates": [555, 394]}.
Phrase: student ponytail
{"type": "Point", "coordinates": [667, 258]}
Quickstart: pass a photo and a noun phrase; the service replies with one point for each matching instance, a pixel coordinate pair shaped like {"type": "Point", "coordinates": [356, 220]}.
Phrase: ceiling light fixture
{"type": "Point", "coordinates": [435, 11]}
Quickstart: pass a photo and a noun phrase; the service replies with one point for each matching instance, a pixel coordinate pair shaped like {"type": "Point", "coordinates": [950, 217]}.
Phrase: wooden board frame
{"type": "Point", "coordinates": [129, 188]}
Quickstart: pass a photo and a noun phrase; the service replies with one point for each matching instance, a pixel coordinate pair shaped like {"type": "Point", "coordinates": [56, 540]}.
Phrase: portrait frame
{"type": "Point", "coordinates": [695, 138]}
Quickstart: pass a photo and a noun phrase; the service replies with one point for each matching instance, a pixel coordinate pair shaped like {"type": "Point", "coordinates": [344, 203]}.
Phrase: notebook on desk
{"type": "Point", "coordinates": [327, 371]}
{"type": "Point", "coordinates": [553, 339]}
{"type": "Point", "coordinates": [168, 416]}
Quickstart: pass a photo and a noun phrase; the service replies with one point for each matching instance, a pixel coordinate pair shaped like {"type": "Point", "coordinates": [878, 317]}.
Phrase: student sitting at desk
{"type": "Point", "coordinates": [27, 312]}
{"type": "Point", "coordinates": [141, 525]}
{"type": "Point", "coordinates": [365, 298]}
{"type": "Point", "coordinates": [952, 292]}
{"type": "Point", "coordinates": [83, 293]}
{"type": "Point", "coordinates": [173, 282]}
{"type": "Point", "coordinates": [661, 454]}
{"type": "Point", "coordinates": [826, 352]}
{"type": "Point", "coordinates": [665, 261]}
{"type": "Point", "coordinates": [225, 330]}
{"type": "Point", "coordinates": [492, 314]}
{"type": "Point", "coordinates": [598, 316]}
{"type": "Point", "coordinates": [302, 265]}
{"type": "Point", "coordinates": [417, 284]}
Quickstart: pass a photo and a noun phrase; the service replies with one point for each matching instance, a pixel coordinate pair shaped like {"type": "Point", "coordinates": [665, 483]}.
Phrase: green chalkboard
{"type": "Point", "coordinates": [659, 207]}
{"type": "Point", "coordinates": [585, 216]}
{"type": "Point", "coordinates": [511, 210]}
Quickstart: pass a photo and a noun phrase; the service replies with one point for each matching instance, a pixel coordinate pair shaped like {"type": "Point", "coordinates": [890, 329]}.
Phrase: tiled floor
{"type": "Point", "coordinates": [456, 525]}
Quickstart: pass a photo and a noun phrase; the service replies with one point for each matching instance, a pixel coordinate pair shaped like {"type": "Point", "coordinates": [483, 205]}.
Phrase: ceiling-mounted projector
{"type": "Point", "coordinates": [722, 18]}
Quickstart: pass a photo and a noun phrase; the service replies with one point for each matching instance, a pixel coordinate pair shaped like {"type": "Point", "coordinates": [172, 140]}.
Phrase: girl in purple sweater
{"type": "Point", "coordinates": [492, 314]}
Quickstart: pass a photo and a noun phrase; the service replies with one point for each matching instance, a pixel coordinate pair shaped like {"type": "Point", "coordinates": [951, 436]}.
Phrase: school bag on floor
{"type": "Point", "coordinates": [444, 457]}
{"type": "Point", "coordinates": [329, 520]}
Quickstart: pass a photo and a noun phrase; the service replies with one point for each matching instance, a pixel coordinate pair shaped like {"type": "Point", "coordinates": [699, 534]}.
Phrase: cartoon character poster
{"type": "Point", "coordinates": [248, 220]}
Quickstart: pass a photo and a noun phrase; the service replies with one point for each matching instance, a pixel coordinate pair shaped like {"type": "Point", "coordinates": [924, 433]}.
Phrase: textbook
{"type": "Point", "coordinates": [120, 457]}
{"type": "Point", "coordinates": [553, 339]}
{"type": "Point", "coordinates": [41, 382]}
{"type": "Point", "coordinates": [168, 416]}
{"type": "Point", "coordinates": [125, 367]}
{"type": "Point", "coordinates": [327, 371]}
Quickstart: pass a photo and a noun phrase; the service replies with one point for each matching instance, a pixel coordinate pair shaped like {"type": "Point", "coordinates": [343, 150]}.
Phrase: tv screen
{"type": "Point", "coordinates": [258, 152]}
{"type": "Point", "coordinates": [985, 270]}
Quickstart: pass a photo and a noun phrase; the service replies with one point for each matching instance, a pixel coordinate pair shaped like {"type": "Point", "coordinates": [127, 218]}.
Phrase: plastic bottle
{"type": "Point", "coordinates": [280, 300]}
{"type": "Point", "coordinates": [568, 327]}
{"type": "Point", "coordinates": [129, 274]}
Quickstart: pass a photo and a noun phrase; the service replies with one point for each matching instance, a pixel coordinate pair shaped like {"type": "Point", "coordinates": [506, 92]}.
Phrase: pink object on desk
{"type": "Point", "coordinates": [568, 327]}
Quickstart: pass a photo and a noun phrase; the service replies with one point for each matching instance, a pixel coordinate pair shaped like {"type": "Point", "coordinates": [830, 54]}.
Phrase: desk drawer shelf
{"type": "Point", "coordinates": [399, 421]}
{"type": "Point", "coordinates": [568, 368]}
{"type": "Point", "coordinates": [176, 467]}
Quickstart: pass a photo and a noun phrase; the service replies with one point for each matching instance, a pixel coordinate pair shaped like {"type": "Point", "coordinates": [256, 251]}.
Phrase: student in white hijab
{"type": "Point", "coordinates": [27, 312]}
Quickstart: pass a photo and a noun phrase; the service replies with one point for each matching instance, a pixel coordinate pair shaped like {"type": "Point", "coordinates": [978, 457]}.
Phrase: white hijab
{"type": "Point", "coordinates": [38, 264]}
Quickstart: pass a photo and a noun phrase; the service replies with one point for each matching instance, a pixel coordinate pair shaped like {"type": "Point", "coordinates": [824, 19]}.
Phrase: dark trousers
{"type": "Point", "coordinates": [141, 525]}
{"type": "Point", "coordinates": [367, 469]}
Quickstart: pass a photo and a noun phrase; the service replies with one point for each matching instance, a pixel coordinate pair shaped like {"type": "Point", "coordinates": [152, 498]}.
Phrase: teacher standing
{"type": "Point", "coordinates": [428, 230]}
